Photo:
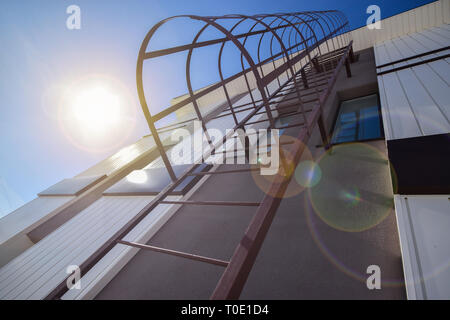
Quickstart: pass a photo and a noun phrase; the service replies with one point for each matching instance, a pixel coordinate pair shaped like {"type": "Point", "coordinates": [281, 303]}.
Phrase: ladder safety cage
{"type": "Point", "coordinates": [314, 46]}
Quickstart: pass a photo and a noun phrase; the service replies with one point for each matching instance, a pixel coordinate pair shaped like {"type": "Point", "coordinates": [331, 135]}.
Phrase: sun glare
{"type": "Point", "coordinates": [96, 109]}
{"type": "Point", "coordinates": [96, 113]}
{"type": "Point", "coordinates": [137, 176]}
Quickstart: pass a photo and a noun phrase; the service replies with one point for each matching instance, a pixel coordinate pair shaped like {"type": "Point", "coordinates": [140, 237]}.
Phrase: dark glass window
{"type": "Point", "coordinates": [358, 120]}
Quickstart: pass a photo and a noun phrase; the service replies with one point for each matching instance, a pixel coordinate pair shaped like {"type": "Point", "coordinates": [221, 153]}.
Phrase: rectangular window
{"type": "Point", "coordinates": [358, 120]}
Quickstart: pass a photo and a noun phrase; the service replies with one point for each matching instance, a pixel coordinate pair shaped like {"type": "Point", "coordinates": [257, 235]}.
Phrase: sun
{"type": "Point", "coordinates": [96, 109]}
{"type": "Point", "coordinates": [96, 113]}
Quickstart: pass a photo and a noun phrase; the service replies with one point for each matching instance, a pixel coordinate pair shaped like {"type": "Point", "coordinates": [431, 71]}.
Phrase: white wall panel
{"type": "Point", "coordinates": [37, 271]}
{"type": "Point", "coordinates": [429, 116]}
{"type": "Point", "coordinates": [423, 223]}
{"type": "Point", "coordinates": [435, 78]}
{"type": "Point", "coordinates": [397, 108]}
{"type": "Point", "coordinates": [123, 156]}
{"type": "Point", "coordinates": [29, 215]}
{"type": "Point", "coordinates": [415, 101]}
{"type": "Point", "coordinates": [120, 158]}
{"type": "Point", "coordinates": [415, 20]}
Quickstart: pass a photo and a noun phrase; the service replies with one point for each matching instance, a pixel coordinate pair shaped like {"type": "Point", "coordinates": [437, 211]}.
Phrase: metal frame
{"type": "Point", "coordinates": [319, 37]}
{"type": "Point", "coordinates": [420, 55]}
{"type": "Point", "coordinates": [336, 116]}
{"type": "Point", "coordinates": [410, 65]}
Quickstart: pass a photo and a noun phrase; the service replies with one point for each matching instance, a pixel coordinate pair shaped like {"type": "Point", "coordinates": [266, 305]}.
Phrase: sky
{"type": "Point", "coordinates": [42, 62]}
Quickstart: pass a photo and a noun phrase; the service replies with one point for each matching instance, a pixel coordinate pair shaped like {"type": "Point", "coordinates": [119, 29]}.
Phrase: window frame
{"type": "Point", "coordinates": [336, 115]}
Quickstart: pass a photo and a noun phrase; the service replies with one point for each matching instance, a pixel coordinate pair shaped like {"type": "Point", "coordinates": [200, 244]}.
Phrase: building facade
{"type": "Point", "coordinates": [370, 188]}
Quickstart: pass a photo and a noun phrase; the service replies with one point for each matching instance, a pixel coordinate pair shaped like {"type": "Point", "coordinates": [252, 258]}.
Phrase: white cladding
{"type": "Point", "coordinates": [123, 157]}
{"type": "Point", "coordinates": [413, 44]}
{"type": "Point", "coordinates": [120, 158]}
{"type": "Point", "coordinates": [29, 215]}
{"type": "Point", "coordinates": [412, 21]}
{"type": "Point", "coordinates": [423, 223]}
{"type": "Point", "coordinates": [38, 270]}
{"type": "Point", "coordinates": [415, 101]}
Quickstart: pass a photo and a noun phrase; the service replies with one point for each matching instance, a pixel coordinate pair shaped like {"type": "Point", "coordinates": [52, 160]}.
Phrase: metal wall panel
{"type": "Point", "coordinates": [423, 223]}
{"type": "Point", "coordinates": [29, 215]}
{"type": "Point", "coordinates": [37, 271]}
{"type": "Point", "coordinates": [415, 101]}
{"type": "Point", "coordinates": [415, 20]}
{"type": "Point", "coordinates": [123, 156]}
{"type": "Point", "coordinates": [72, 186]}
{"type": "Point", "coordinates": [120, 158]}
{"type": "Point", "coordinates": [413, 44]}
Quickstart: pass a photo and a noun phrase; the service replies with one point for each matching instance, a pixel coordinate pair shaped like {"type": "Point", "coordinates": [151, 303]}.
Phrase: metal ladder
{"type": "Point", "coordinates": [309, 86]}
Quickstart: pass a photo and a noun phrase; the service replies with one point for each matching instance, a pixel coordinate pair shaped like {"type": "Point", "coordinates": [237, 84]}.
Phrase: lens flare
{"type": "Point", "coordinates": [308, 174]}
{"type": "Point", "coordinates": [355, 272]}
{"type": "Point", "coordinates": [287, 169]}
{"type": "Point", "coordinates": [352, 197]}
{"type": "Point", "coordinates": [355, 191]}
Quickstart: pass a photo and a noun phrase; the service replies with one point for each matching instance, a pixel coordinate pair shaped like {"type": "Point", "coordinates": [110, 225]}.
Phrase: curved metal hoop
{"type": "Point", "coordinates": [315, 34]}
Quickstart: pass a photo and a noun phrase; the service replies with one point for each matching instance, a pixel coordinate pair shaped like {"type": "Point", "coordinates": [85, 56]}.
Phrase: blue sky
{"type": "Point", "coordinates": [39, 55]}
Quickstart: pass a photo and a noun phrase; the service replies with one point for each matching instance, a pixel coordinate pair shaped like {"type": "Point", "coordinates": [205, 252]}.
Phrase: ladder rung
{"type": "Point", "coordinates": [312, 84]}
{"type": "Point", "coordinates": [288, 114]}
{"type": "Point", "coordinates": [270, 144]}
{"type": "Point", "coordinates": [314, 77]}
{"type": "Point", "coordinates": [270, 103]}
{"type": "Point", "coordinates": [176, 253]}
{"type": "Point", "coordinates": [326, 59]}
{"type": "Point", "coordinates": [291, 125]}
{"type": "Point", "coordinates": [212, 203]}
{"type": "Point", "coordinates": [259, 121]}
{"type": "Point", "coordinates": [296, 103]}
{"type": "Point", "coordinates": [224, 171]}
{"type": "Point", "coordinates": [257, 147]}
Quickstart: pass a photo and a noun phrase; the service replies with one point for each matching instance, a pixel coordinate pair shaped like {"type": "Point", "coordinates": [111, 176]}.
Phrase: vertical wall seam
{"type": "Point", "coordinates": [430, 95]}
{"type": "Point", "coordinates": [416, 251]}
{"type": "Point", "coordinates": [389, 124]}
{"type": "Point", "coordinates": [409, 102]}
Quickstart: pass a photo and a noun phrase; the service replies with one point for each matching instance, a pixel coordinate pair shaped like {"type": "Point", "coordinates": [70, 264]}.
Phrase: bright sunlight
{"type": "Point", "coordinates": [96, 109]}
{"type": "Point", "coordinates": [97, 113]}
